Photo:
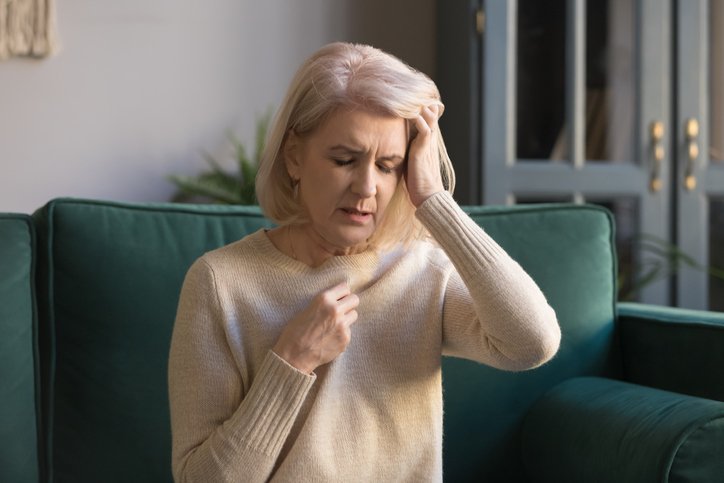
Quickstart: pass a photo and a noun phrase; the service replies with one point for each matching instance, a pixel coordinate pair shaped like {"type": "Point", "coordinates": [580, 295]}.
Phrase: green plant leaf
{"type": "Point", "coordinates": [206, 187]}
{"type": "Point", "coordinates": [262, 125]}
{"type": "Point", "coordinates": [217, 185]}
{"type": "Point", "coordinates": [660, 259]}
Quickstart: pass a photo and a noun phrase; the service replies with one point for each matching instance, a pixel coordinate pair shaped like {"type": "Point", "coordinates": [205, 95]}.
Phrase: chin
{"type": "Point", "coordinates": [351, 238]}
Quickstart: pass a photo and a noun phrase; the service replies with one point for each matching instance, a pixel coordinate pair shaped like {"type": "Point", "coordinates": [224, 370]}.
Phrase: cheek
{"type": "Point", "coordinates": [386, 194]}
{"type": "Point", "coordinates": [321, 194]}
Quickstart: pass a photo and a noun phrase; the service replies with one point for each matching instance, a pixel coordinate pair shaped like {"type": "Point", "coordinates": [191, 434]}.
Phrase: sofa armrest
{"type": "Point", "coordinates": [674, 349]}
{"type": "Point", "coordinates": [19, 392]}
{"type": "Point", "coordinates": [595, 429]}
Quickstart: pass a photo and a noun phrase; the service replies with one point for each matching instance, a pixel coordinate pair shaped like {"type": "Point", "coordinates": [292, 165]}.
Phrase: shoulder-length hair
{"type": "Point", "coordinates": [353, 76]}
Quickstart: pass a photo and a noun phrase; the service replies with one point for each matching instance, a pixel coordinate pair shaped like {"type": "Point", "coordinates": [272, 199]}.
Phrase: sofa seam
{"type": "Point", "coordinates": [197, 208]}
{"type": "Point", "coordinates": [38, 400]}
{"type": "Point", "coordinates": [676, 323]}
{"type": "Point", "coordinates": [50, 266]}
{"type": "Point", "coordinates": [182, 208]}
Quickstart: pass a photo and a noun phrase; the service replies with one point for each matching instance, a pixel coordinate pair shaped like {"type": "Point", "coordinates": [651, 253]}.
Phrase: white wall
{"type": "Point", "coordinates": [141, 87]}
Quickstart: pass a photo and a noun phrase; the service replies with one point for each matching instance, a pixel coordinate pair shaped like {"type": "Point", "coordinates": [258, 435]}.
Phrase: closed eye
{"type": "Point", "coordinates": [385, 169]}
{"type": "Point", "coordinates": [342, 162]}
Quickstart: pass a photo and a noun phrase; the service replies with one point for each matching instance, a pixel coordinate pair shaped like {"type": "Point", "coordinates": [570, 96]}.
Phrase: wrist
{"type": "Point", "coordinates": [294, 360]}
{"type": "Point", "coordinates": [420, 199]}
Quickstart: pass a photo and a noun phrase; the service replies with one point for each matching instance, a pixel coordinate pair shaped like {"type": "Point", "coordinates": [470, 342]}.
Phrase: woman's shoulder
{"type": "Point", "coordinates": [242, 254]}
{"type": "Point", "coordinates": [244, 247]}
{"type": "Point", "coordinates": [428, 252]}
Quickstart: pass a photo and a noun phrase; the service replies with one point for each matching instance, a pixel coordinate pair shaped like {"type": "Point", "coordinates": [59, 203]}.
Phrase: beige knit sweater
{"type": "Point", "coordinates": [240, 413]}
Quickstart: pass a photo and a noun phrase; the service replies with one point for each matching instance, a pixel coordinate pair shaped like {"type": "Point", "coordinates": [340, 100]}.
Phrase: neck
{"type": "Point", "coordinates": [309, 247]}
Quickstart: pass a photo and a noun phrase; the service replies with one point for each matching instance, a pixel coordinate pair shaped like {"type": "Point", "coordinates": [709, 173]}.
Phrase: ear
{"type": "Point", "coordinates": [292, 151]}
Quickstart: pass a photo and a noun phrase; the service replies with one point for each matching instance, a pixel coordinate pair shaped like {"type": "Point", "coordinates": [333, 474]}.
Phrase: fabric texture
{"type": "Point", "coordinates": [110, 274]}
{"type": "Point", "coordinates": [27, 28]}
{"type": "Point", "coordinates": [18, 424]}
{"type": "Point", "coordinates": [569, 251]}
{"type": "Point", "coordinates": [673, 349]}
{"type": "Point", "coordinates": [240, 413]}
{"type": "Point", "coordinates": [595, 429]}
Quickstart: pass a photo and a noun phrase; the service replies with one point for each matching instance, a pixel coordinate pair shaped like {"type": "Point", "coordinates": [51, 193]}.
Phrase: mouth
{"type": "Point", "coordinates": [357, 216]}
{"type": "Point", "coordinates": [355, 211]}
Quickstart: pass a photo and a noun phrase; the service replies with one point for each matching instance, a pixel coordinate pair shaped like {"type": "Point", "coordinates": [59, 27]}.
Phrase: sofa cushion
{"type": "Point", "coordinates": [18, 421]}
{"type": "Point", "coordinates": [568, 250]}
{"type": "Point", "coordinates": [594, 429]}
{"type": "Point", "coordinates": [113, 276]}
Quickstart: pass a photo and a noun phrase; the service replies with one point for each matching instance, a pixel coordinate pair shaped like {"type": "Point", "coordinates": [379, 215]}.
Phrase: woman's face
{"type": "Point", "coordinates": [348, 170]}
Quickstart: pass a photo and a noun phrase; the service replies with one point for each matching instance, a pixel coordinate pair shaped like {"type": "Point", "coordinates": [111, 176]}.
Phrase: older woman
{"type": "Point", "coordinates": [311, 352]}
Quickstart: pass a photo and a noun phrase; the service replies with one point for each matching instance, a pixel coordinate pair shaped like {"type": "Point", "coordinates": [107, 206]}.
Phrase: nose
{"type": "Point", "coordinates": [365, 181]}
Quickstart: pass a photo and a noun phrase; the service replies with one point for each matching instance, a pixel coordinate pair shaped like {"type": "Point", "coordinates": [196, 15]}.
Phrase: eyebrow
{"type": "Point", "coordinates": [354, 151]}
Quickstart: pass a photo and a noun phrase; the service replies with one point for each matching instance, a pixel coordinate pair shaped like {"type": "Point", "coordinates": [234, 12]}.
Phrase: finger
{"type": "Point", "coordinates": [440, 108]}
{"type": "Point", "coordinates": [430, 114]}
{"type": "Point", "coordinates": [348, 302]}
{"type": "Point", "coordinates": [422, 125]}
{"type": "Point", "coordinates": [350, 318]}
{"type": "Point", "coordinates": [338, 291]}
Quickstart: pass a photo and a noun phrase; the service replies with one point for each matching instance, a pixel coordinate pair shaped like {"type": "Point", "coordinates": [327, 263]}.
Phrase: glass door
{"type": "Point", "coordinates": [700, 152]}
{"type": "Point", "coordinates": [576, 96]}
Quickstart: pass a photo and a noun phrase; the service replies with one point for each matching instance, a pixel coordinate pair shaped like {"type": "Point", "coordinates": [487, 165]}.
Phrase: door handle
{"type": "Point", "coordinates": [691, 137]}
{"type": "Point", "coordinates": [657, 155]}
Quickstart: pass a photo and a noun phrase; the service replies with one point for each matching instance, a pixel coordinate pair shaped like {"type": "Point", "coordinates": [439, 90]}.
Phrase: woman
{"type": "Point", "coordinates": [311, 352]}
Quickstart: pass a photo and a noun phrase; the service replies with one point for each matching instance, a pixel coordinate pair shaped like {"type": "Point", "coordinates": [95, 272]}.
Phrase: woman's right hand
{"type": "Point", "coordinates": [321, 332]}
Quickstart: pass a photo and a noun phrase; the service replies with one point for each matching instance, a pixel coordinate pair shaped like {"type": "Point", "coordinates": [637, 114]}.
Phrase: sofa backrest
{"type": "Point", "coordinates": [111, 276]}
{"type": "Point", "coordinates": [569, 251]}
{"type": "Point", "coordinates": [110, 279]}
{"type": "Point", "coordinates": [18, 415]}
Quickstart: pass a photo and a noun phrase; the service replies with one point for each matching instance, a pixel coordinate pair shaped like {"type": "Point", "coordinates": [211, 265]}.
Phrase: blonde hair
{"type": "Point", "coordinates": [354, 76]}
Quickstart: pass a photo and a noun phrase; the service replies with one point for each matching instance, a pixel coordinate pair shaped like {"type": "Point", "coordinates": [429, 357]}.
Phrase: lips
{"type": "Point", "coordinates": [356, 216]}
{"type": "Point", "coordinates": [355, 211]}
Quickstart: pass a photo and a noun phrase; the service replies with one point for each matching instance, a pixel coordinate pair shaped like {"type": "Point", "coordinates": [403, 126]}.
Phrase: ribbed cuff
{"type": "Point", "coordinates": [272, 404]}
{"type": "Point", "coordinates": [462, 239]}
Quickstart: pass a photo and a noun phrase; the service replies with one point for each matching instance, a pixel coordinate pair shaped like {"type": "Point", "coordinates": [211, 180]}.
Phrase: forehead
{"type": "Point", "coordinates": [362, 129]}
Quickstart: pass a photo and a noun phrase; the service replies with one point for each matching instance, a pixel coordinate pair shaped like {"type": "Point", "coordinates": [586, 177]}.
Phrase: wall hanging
{"type": "Point", "coordinates": [27, 28]}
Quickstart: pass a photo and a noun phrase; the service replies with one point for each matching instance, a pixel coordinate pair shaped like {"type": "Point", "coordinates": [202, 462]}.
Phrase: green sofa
{"type": "Point", "coordinates": [88, 294]}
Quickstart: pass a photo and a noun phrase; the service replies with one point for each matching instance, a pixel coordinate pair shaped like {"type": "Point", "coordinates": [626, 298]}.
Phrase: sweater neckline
{"type": "Point", "coordinates": [368, 259]}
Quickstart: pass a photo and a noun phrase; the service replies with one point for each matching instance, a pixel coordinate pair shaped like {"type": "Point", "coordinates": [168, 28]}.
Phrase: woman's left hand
{"type": "Point", "coordinates": [423, 164]}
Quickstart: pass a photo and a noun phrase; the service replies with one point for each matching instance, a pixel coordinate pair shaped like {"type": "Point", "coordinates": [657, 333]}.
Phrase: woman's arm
{"type": "Point", "coordinates": [221, 430]}
{"type": "Point", "coordinates": [493, 312]}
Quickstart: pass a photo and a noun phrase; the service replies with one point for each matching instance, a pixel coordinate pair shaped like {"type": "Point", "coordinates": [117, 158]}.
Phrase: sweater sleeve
{"type": "Point", "coordinates": [493, 311]}
{"type": "Point", "coordinates": [219, 432]}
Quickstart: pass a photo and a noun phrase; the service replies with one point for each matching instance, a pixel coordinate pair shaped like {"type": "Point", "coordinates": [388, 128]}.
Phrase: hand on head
{"type": "Point", "coordinates": [321, 332]}
{"type": "Point", "coordinates": [423, 162]}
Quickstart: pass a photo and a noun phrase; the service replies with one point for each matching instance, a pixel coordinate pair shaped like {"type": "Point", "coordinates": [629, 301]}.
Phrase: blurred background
{"type": "Point", "coordinates": [140, 88]}
{"type": "Point", "coordinates": [618, 103]}
{"type": "Point", "coordinates": [614, 102]}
